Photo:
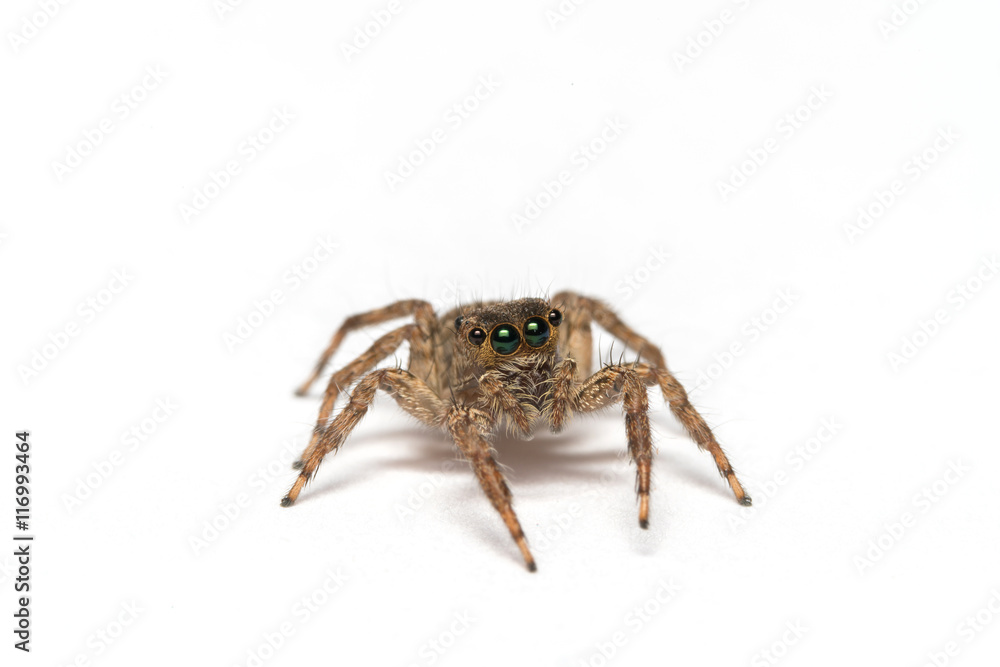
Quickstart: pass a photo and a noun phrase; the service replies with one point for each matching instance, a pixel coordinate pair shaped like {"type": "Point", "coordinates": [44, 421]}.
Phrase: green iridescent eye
{"type": "Point", "coordinates": [536, 332]}
{"type": "Point", "coordinates": [505, 339]}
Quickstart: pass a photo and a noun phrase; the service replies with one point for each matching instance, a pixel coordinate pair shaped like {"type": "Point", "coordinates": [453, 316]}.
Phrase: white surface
{"type": "Point", "coordinates": [446, 234]}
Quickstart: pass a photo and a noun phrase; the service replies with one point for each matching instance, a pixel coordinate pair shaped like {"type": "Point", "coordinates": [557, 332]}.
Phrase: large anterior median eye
{"type": "Point", "coordinates": [536, 332]}
{"type": "Point", "coordinates": [505, 339]}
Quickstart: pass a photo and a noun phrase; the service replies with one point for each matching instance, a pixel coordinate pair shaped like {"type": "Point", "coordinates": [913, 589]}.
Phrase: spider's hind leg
{"type": "Point", "coordinates": [343, 378]}
{"type": "Point", "coordinates": [423, 362]}
{"type": "Point", "coordinates": [410, 392]}
{"type": "Point", "coordinates": [421, 309]}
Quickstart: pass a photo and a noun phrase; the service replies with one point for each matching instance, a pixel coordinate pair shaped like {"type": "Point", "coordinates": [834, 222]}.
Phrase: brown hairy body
{"type": "Point", "coordinates": [507, 364]}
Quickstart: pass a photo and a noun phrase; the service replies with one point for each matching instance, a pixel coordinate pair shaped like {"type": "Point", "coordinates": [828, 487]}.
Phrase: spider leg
{"type": "Point", "coordinates": [501, 401]}
{"type": "Point", "coordinates": [655, 371]}
{"type": "Point", "coordinates": [390, 312]}
{"type": "Point", "coordinates": [410, 392]}
{"type": "Point", "coordinates": [584, 309]}
{"type": "Point", "coordinates": [576, 341]}
{"type": "Point", "coordinates": [379, 350]}
{"type": "Point", "coordinates": [616, 383]}
{"type": "Point", "coordinates": [465, 428]}
{"type": "Point", "coordinates": [694, 424]}
{"type": "Point", "coordinates": [563, 393]}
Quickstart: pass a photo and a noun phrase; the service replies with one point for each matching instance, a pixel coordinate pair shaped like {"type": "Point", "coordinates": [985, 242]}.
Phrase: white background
{"type": "Point", "coordinates": [844, 547]}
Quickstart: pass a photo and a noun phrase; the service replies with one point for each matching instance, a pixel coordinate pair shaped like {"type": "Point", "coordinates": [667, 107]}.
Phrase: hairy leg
{"type": "Point", "coordinates": [412, 394]}
{"type": "Point", "coordinates": [587, 308]}
{"type": "Point", "coordinates": [694, 424]}
{"type": "Point", "coordinates": [465, 428]}
{"type": "Point", "coordinates": [343, 378]}
{"type": "Point", "coordinates": [576, 340]}
{"type": "Point", "coordinates": [497, 399]}
{"type": "Point", "coordinates": [656, 371]}
{"type": "Point", "coordinates": [609, 385]}
{"type": "Point", "coordinates": [560, 407]}
{"type": "Point", "coordinates": [370, 318]}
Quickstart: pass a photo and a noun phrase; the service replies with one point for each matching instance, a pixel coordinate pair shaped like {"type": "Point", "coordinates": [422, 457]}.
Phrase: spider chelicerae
{"type": "Point", "coordinates": [516, 364]}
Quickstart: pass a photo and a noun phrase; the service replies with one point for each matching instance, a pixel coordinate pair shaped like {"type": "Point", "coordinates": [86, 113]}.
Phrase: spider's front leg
{"type": "Point", "coordinates": [501, 401]}
{"type": "Point", "coordinates": [466, 428]}
{"type": "Point", "coordinates": [606, 386]}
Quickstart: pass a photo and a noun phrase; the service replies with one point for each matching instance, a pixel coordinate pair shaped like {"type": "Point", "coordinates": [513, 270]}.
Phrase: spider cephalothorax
{"type": "Point", "coordinates": [517, 364]}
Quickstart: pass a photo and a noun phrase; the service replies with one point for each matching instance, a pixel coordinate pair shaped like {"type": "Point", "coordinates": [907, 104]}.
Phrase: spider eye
{"type": "Point", "coordinates": [477, 337]}
{"type": "Point", "coordinates": [536, 332]}
{"type": "Point", "coordinates": [458, 322]}
{"type": "Point", "coordinates": [555, 318]}
{"type": "Point", "coordinates": [505, 339]}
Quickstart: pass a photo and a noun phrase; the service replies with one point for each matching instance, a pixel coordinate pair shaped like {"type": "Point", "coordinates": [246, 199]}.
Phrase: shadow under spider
{"type": "Point", "coordinates": [544, 458]}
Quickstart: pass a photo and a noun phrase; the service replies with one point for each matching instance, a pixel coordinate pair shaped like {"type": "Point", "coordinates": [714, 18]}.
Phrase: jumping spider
{"type": "Point", "coordinates": [481, 367]}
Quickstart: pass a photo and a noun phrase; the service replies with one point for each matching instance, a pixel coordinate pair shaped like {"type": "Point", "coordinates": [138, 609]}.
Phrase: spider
{"type": "Point", "coordinates": [515, 364]}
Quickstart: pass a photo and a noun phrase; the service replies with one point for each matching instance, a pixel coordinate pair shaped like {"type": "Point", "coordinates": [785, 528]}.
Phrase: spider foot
{"type": "Point", "coordinates": [299, 465]}
{"type": "Point", "coordinates": [746, 501]}
{"type": "Point", "coordinates": [287, 502]}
